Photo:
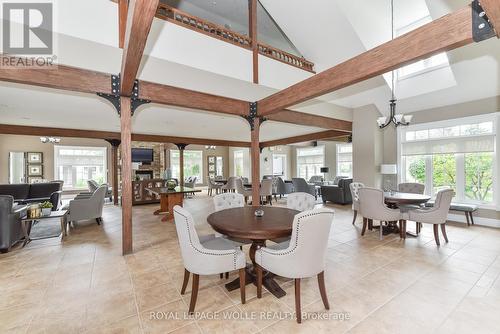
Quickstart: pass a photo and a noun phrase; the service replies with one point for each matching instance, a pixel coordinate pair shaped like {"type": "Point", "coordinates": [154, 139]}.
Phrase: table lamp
{"type": "Point", "coordinates": [324, 170]}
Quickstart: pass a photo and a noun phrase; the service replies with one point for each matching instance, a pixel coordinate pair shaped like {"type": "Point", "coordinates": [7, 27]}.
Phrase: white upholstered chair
{"type": "Point", "coordinates": [372, 206]}
{"type": "Point", "coordinates": [230, 186]}
{"type": "Point", "coordinates": [411, 187]}
{"type": "Point", "coordinates": [435, 215]}
{"type": "Point", "coordinates": [354, 187]}
{"type": "Point", "coordinates": [212, 257]}
{"type": "Point", "coordinates": [304, 257]}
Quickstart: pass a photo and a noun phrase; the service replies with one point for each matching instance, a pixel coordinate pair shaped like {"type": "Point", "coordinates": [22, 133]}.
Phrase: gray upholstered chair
{"type": "Point", "coordinates": [372, 207]}
{"type": "Point", "coordinates": [240, 189]}
{"type": "Point", "coordinates": [93, 185]}
{"type": "Point", "coordinates": [231, 184]}
{"type": "Point", "coordinates": [340, 193]}
{"type": "Point", "coordinates": [410, 187]}
{"type": "Point", "coordinates": [87, 207]}
{"type": "Point", "coordinates": [10, 225]}
{"type": "Point", "coordinates": [301, 186]}
{"type": "Point", "coordinates": [214, 256]}
{"type": "Point", "coordinates": [435, 215]}
{"type": "Point", "coordinates": [304, 257]}
{"type": "Point", "coordinates": [316, 179]}
{"type": "Point", "coordinates": [283, 188]}
{"type": "Point", "coordinates": [354, 188]}
{"type": "Point", "coordinates": [213, 186]}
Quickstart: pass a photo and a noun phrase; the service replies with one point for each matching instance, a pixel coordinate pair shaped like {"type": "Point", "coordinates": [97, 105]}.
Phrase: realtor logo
{"type": "Point", "coordinates": [28, 28]}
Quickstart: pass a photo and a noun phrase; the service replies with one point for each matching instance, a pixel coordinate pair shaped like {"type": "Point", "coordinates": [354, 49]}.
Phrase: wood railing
{"type": "Point", "coordinates": [285, 57]}
{"type": "Point", "coordinates": [200, 25]}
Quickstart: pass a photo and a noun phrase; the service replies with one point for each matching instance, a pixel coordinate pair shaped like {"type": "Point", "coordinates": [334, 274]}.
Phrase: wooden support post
{"type": "Point", "coordinates": [181, 148]}
{"type": "Point", "coordinates": [126, 145]}
{"type": "Point", "coordinates": [252, 28]}
{"type": "Point", "coordinates": [255, 157]}
{"type": "Point", "coordinates": [122, 21]}
{"type": "Point", "coordinates": [115, 143]}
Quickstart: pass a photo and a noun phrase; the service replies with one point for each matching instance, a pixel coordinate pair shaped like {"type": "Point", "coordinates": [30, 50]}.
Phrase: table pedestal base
{"type": "Point", "coordinates": [267, 281]}
{"type": "Point", "coordinates": [167, 203]}
{"type": "Point", "coordinates": [392, 227]}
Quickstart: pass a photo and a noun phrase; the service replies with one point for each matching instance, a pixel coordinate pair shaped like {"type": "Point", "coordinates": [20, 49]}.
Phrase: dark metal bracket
{"type": "Point", "coordinates": [481, 26]}
{"type": "Point", "coordinates": [114, 142]}
{"type": "Point", "coordinates": [252, 115]}
{"type": "Point", "coordinates": [181, 146]}
{"type": "Point", "coordinates": [114, 97]}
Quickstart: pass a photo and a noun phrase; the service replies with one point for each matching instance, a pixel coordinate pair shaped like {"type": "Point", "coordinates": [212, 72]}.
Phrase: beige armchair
{"type": "Point", "coordinates": [87, 207]}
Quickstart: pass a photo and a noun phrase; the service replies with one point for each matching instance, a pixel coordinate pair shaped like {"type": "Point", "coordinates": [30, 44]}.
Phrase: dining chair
{"type": "Point", "coordinates": [212, 257]}
{"type": "Point", "coordinates": [304, 257]}
{"type": "Point", "coordinates": [266, 191]}
{"type": "Point", "coordinates": [372, 206]}
{"type": "Point", "coordinates": [240, 189]}
{"type": "Point", "coordinates": [300, 185]}
{"type": "Point", "coordinates": [283, 188]}
{"type": "Point", "coordinates": [435, 215]}
{"type": "Point", "coordinates": [412, 188]}
{"type": "Point", "coordinates": [230, 185]}
{"type": "Point", "coordinates": [354, 187]}
{"type": "Point", "coordinates": [212, 185]}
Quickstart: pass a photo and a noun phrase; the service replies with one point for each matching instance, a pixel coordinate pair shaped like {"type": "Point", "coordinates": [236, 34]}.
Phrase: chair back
{"type": "Point", "coordinates": [99, 195]}
{"type": "Point", "coordinates": [300, 185]}
{"type": "Point", "coordinates": [411, 187]}
{"type": "Point", "coordinates": [6, 203]}
{"type": "Point", "coordinates": [60, 182]}
{"type": "Point", "coordinates": [92, 185]}
{"type": "Point", "coordinates": [245, 180]}
{"type": "Point", "coordinates": [188, 238]}
{"type": "Point", "coordinates": [231, 183]}
{"type": "Point", "coordinates": [266, 187]}
{"type": "Point", "coordinates": [354, 187]}
{"type": "Point", "coordinates": [239, 187]}
{"type": "Point", "coordinates": [300, 201]}
{"type": "Point", "coordinates": [309, 240]}
{"type": "Point", "coordinates": [316, 179]}
{"type": "Point", "coordinates": [372, 205]}
{"type": "Point", "coordinates": [442, 204]}
{"type": "Point", "coordinates": [228, 201]}
{"type": "Point", "coordinates": [280, 186]}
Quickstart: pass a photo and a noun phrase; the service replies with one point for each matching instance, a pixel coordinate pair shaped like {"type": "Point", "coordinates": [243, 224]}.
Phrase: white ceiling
{"type": "Point", "coordinates": [334, 32]}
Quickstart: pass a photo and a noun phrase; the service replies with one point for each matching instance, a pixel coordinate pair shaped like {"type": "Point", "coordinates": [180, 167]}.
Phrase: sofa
{"type": "Point", "coordinates": [339, 194]}
{"type": "Point", "coordinates": [10, 225]}
{"type": "Point", "coordinates": [25, 193]}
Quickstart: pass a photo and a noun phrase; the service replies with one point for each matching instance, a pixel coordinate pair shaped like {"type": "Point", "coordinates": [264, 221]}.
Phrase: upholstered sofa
{"type": "Point", "coordinates": [24, 193]}
{"type": "Point", "coordinates": [340, 193]}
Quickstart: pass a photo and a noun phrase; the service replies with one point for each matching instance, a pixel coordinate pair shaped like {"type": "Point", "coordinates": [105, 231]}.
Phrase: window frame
{"type": "Point", "coordinates": [242, 152]}
{"type": "Point", "coordinates": [308, 148]}
{"type": "Point", "coordinates": [200, 180]}
{"type": "Point", "coordinates": [460, 196]}
{"type": "Point", "coordinates": [337, 149]}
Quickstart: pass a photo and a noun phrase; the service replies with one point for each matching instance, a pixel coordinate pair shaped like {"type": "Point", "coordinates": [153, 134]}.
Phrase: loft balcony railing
{"type": "Point", "coordinates": [214, 30]}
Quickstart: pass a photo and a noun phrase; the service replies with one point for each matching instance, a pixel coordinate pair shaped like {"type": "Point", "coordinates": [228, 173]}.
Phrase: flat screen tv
{"type": "Point", "coordinates": [144, 155]}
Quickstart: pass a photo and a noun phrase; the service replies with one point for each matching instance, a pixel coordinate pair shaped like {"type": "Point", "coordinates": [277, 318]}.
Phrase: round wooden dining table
{"type": "Point", "coordinates": [396, 199]}
{"type": "Point", "coordinates": [243, 224]}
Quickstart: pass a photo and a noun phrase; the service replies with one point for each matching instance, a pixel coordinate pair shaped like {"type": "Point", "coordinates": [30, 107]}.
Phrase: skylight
{"type": "Point", "coordinates": [425, 65]}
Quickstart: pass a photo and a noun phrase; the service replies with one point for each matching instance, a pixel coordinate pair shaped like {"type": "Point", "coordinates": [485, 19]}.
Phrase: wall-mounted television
{"type": "Point", "coordinates": [144, 155]}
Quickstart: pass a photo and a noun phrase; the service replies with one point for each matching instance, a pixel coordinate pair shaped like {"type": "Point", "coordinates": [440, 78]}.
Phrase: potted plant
{"type": "Point", "coordinates": [46, 208]}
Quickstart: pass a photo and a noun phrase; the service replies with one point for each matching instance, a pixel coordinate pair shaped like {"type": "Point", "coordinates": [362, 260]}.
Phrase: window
{"type": "Point", "coordinates": [436, 61]}
{"type": "Point", "coordinates": [75, 165]}
{"type": "Point", "coordinates": [344, 160]}
{"type": "Point", "coordinates": [279, 164]}
{"type": "Point", "coordinates": [309, 161]}
{"type": "Point", "coordinates": [457, 154]}
{"type": "Point", "coordinates": [193, 164]}
{"type": "Point", "coordinates": [238, 163]}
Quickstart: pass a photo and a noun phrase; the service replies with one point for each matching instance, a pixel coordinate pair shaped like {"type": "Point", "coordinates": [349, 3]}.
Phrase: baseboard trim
{"type": "Point", "coordinates": [490, 222]}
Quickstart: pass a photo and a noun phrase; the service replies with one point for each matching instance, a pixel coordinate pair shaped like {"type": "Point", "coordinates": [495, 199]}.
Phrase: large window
{"type": "Point", "coordinates": [457, 154]}
{"type": "Point", "coordinates": [279, 164]}
{"type": "Point", "coordinates": [238, 163]}
{"type": "Point", "coordinates": [344, 160]}
{"type": "Point", "coordinates": [75, 165]}
{"type": "Point", "coordinates": [193, 164]}
{"type": "Point", "coordinates": [309, 161]}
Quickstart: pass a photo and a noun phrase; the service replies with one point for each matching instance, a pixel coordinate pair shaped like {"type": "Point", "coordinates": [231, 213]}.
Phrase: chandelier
{"type": "Point", "coordinates": [50, 140]}
{"type": "Point", "coordinates": [396, 119]}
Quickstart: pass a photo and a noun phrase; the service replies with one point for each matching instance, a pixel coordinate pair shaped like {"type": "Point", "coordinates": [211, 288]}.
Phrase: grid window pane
{"type": "Point", "coordinates": [479, 176]}
{"type": "Point", "coordinates": [444, 172]}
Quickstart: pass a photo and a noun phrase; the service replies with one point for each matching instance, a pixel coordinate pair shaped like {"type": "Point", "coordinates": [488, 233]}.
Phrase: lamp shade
{"type": "Point", "coordinates": [324, 169]}
{"type": "Point", "coordinates": [388, 169]}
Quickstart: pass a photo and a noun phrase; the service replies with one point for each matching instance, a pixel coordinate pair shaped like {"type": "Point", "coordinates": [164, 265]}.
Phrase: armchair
{"type": "Point", "coordinates": [87, 207]}
{"type": "Point", "coordinates": [301, 186]}
{"type": "Point", "coordinates": [10, 225]}
{"type": "Point", "coordinates": [316, 179]}
{"type": "Point", "coordinates": [340, 193]}
{"type": "Point", "coordinates": [283, 188]}
{"type": "Point", "coordinates": [354, 187]}
{"type": "Point", "coordinates": [93, 185]}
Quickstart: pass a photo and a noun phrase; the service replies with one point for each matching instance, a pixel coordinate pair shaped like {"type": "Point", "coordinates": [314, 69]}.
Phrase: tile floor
{"type": "Point", "coordinates": [84, 285]}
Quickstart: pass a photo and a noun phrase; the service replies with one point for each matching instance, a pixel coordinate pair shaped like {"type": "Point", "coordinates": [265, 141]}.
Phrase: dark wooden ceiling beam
{"type": "Point", "coordinates": [122, 21]}
{"type": "Point", "coordinates": [446, 33]}
{"type": "Point", "coordinates": [139, 19]}
{"type": "Point", "coordinates": [303, 138]}
{"type": "Point", "coordinates": [93, 134]}
{"type": "Point", "coordinates": [492, 10]}
{"type": "Point", "coordinates": [295, 117]}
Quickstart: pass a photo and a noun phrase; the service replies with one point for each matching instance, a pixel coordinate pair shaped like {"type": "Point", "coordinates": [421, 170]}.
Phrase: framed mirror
{"type": "Point", "coordinates": [17, 167]}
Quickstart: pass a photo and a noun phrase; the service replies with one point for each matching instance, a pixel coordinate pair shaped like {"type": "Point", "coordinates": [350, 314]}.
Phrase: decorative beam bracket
{"type": "Point", "coordinates": [114, 142]}
{"type": "Point", "coordinates": [481, 26]}
{"type": "Point", "coordinates": [252, 115]}
{"type": "Point", "coordinates": [181, 146]}
{"type": "Point", "coordinates": [114, 97]}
